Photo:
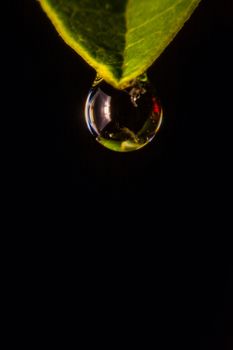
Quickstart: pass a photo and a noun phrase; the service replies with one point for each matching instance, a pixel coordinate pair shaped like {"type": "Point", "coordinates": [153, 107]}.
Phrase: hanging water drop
{"type": "Point", "coordinates": [123, 120]}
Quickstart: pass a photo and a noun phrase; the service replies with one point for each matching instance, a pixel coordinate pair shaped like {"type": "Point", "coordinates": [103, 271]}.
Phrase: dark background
{"type": "Point", "coordinates": [176, 191]}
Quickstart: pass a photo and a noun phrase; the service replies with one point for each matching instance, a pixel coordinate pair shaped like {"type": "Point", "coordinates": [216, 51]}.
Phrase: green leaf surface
{"type": "Point", "coordinates": [119, 38]}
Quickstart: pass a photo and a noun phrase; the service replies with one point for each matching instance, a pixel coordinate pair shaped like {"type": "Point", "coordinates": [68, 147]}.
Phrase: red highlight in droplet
{"type": "Point", "coordinates": [156, 107]}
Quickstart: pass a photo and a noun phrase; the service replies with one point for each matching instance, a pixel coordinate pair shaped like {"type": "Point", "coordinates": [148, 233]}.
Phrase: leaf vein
{"type": "Point", "coordinates": [156, 16]}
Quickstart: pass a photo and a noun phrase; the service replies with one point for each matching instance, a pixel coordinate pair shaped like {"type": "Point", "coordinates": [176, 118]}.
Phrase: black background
{"type": "Point", "coordinates": [176, 191]}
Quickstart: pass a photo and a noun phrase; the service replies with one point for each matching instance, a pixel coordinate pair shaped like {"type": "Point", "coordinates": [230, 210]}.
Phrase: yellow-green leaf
{"type": "Point", "coordinates": [119, 38]}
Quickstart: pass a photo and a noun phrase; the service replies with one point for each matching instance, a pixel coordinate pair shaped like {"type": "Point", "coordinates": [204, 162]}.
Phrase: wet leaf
{"type": "Point", "coordinates": [119, 38]}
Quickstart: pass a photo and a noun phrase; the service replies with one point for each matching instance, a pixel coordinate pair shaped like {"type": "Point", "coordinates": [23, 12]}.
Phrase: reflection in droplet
{"type": "Point", "coordinates": [123, 120]}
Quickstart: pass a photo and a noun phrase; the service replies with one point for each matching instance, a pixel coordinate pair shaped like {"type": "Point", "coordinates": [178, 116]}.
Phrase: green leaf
{"type": "Point", "coordinates": [119, 38]}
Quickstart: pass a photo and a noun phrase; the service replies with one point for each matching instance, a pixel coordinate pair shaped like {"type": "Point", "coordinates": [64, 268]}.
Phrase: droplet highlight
{"type": "Point", "coordinates": [123, 120]}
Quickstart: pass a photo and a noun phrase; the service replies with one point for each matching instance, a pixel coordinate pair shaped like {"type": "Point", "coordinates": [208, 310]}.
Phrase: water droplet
{"type": "Point", "coordinates": [123, 120]}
